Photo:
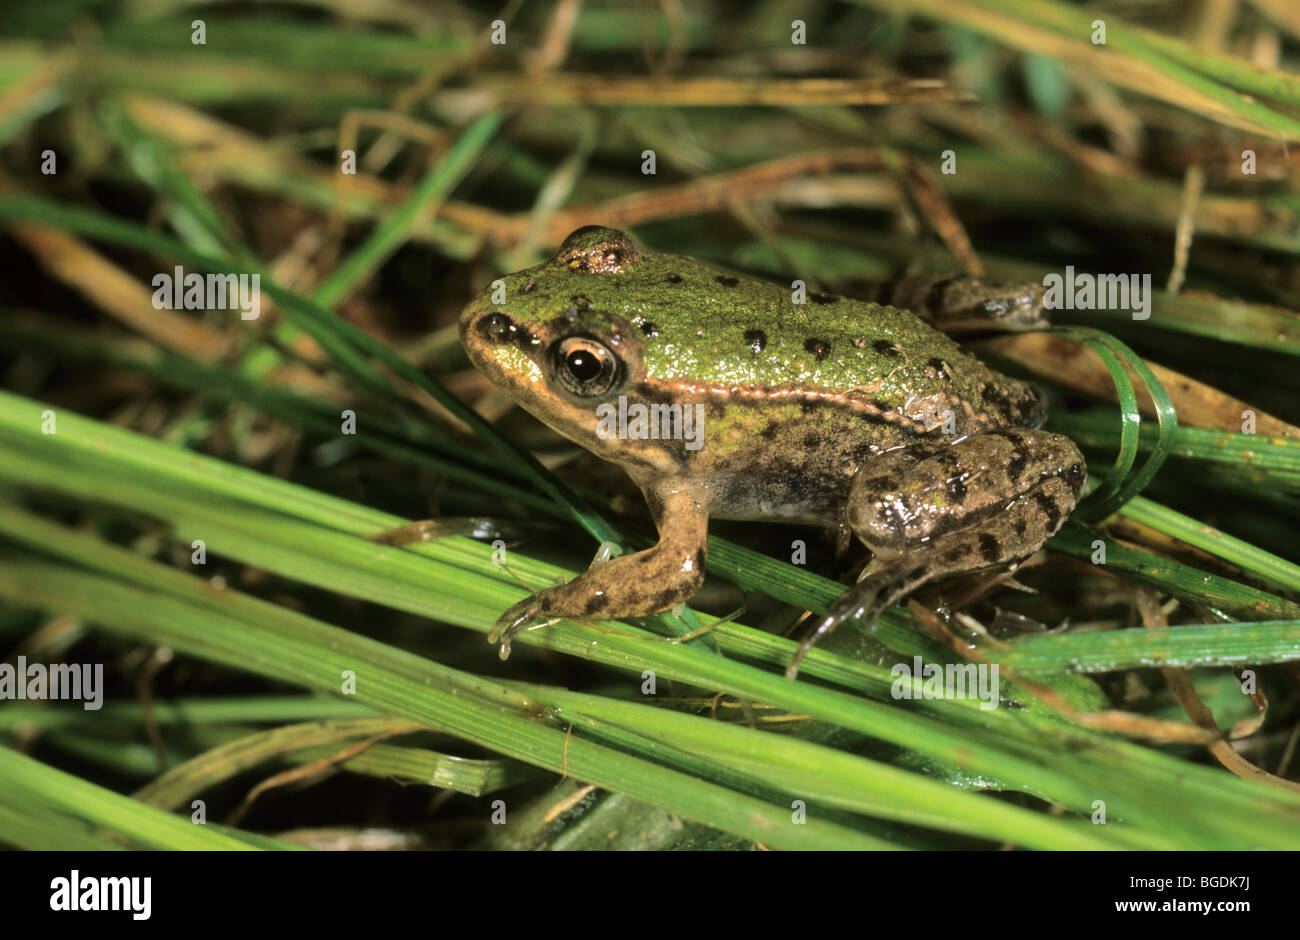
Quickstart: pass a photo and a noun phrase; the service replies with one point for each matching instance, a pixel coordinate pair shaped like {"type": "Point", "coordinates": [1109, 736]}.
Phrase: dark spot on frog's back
{"type": "Point", "coordinates": [727, 280]}
{"type": "Point", "coordinates": [649, 329]}
{"type": "Point", "coordinates": [1049, 508]}
{"type": "Point", "coordinates": [993, 395]}
{"type": "Point", "coordinates": [887, 347]}
{"type": "Point", "coordinates": [673, 279]}
{"type": "Point", "coordinates": [819, 348]}
{"type": "Point", "coordinates": [756, 340]}
{"type": "Point", "coordinates": [990, 548]}
{"type": "Point", "coordinates": [1016, 465]}
{"type": "Point", "coordinates": [822, 298]}
{"type": "Point", "coordinates": [1076, 476]}
{"type": "Point", "coordinates": [939, 366]}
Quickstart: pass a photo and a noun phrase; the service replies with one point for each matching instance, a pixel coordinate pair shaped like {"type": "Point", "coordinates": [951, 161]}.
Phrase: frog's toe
{"type": "Point", "coordinates": [864, 602]}
{"type": "Point", "coordinates": [862, 606]}
{"type": "Point", "coordinates": [512, 621]}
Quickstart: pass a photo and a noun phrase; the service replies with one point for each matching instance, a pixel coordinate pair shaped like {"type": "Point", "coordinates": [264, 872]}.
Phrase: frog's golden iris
{"type": "Point", "coordinates": [585, 366]}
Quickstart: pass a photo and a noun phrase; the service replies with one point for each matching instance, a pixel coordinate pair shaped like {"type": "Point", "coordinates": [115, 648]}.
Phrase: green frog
{"type": "Point", "coordinates": [733, 398]}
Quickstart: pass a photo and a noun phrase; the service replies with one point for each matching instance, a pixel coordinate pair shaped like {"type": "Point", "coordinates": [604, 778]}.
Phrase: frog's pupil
{"type": "Point", "coordinates": [582, 365]}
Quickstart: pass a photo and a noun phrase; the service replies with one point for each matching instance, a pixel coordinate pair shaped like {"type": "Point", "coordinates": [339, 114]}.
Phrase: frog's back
{"type": "Point", "coordinates": [740, 336]}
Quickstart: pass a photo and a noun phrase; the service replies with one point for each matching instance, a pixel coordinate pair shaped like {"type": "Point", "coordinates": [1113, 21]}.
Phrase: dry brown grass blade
{"type": "Point", "coordinates": [217, 148]}
{"type": "Point", "coordinates": [567, 89]}
{"type": "Point", "coordinates": [1121, 722]}
{"type": "Point", "coordinates": [721, 192]}
{"type": "Point", "coordinates": [104, 284]}
{"type": "Point", "coordinates": [1198, 405]}
{"type": "Point", "coordinates": [306, 771]}
{"type": "Point", "coordinates": [1193, 185]}
{"type": "Point", "coordinates": [554, 47]}
{"type": "Point", "coordinates": [1283, 12]}
{"type": "Point", "coordinates": [1116, 66]}
{"type": "Point", "coordinates": [40, 79]}
{"type": "Point", "coordinates": [1180, 684]}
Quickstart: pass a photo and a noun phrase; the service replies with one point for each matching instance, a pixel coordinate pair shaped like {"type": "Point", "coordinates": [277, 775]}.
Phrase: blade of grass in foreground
{"type": "Point", "coordinates": [30, 786]}
{"type": "Point", "coordinates": [282, 648]}
{"type": "Point", "coordinates": [317, 655]}
{"type": "Point", "coordinates": [1237, 644]}
{"type": "Point", "coordinates": [1210, 590]}
{"type": "Point", "coordinates": [76, 461]}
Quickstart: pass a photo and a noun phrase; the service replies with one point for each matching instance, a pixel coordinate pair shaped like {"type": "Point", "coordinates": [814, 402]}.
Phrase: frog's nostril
{"type": "Point", "coordinates": [497, 328]}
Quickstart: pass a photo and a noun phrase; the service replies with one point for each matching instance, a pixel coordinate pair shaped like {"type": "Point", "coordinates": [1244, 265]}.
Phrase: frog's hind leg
{"type": "Point", "coordinates": [932, 511]}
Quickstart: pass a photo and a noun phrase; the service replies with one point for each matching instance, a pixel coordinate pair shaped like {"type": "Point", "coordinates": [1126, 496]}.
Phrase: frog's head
{"type": "Point", "coordinates": [550, 338]}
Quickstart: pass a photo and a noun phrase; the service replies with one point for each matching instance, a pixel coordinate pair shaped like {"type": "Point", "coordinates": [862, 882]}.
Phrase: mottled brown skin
{"type": "Point", "coordinates": [835, 412]}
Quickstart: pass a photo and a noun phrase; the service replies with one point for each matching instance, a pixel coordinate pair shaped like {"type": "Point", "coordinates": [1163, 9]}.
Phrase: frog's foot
{"type": "Point", "coordinates": [634, 585]}
{"type": "Point", "coordinates": [963, 304]}
{"type": "Point", "coordinates": [519, 617]}
{"type": "Point", "coordinates": [631, 586]}
{"type": "Point", "coordinates": [863, 602]}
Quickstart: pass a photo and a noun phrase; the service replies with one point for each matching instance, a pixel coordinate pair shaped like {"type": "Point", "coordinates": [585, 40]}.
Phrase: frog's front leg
{"type": "Point", "coordinates": [931, 511]}
{"type": "Point", "coordinates": [632, 585]}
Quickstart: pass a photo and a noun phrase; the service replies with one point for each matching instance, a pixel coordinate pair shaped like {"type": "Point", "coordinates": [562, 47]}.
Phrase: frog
{"type": "Point", "coordinates": [776, 405]}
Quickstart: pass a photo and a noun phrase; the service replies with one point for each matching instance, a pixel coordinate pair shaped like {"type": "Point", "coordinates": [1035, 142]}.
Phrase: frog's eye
{"type": "Point", "coordinates": [585, 366]}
